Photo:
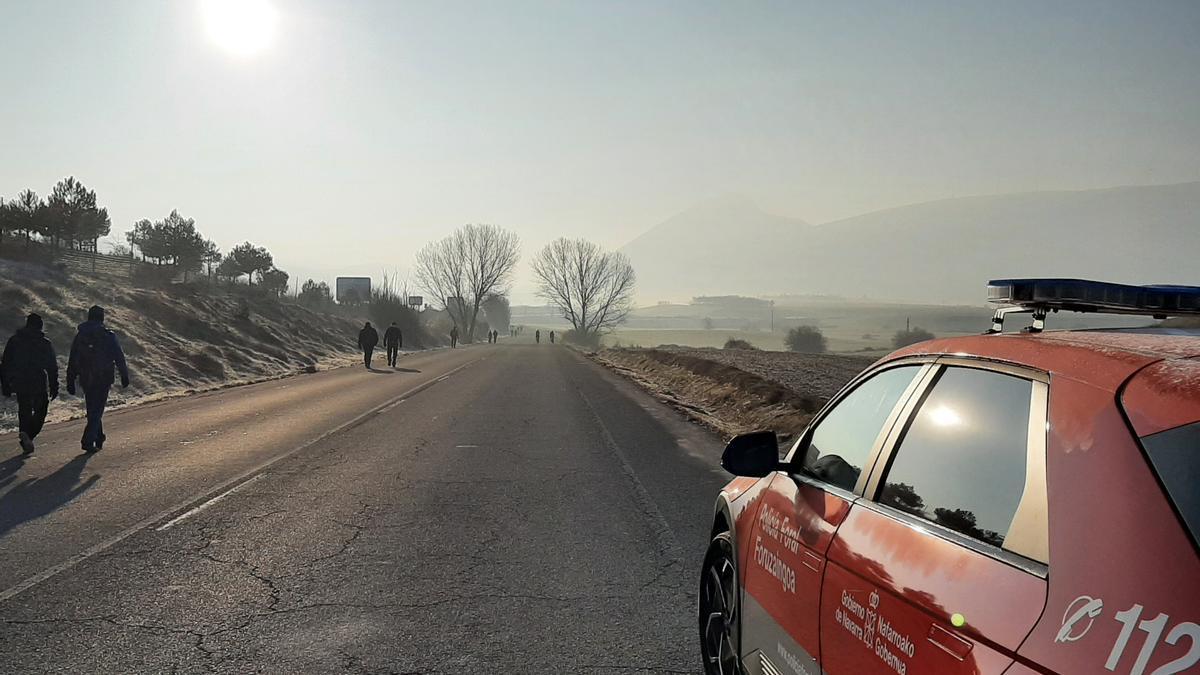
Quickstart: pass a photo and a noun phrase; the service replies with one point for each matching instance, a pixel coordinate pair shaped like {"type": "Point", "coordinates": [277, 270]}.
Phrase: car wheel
{"type": "Point", "coordinates": [720, 620]}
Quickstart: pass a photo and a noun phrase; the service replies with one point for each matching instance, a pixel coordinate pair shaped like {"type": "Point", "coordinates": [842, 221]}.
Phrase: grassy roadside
{"type": "Point", "coordinates": [178, 340]}
{"type": "Point", "coordinates": [709, 388]}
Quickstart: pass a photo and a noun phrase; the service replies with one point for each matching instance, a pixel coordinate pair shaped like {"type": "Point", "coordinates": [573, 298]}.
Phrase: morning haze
{"type": "Point", "coordinates": [425, 337]}
{"type": "Point", "coordinates": [359, 131]}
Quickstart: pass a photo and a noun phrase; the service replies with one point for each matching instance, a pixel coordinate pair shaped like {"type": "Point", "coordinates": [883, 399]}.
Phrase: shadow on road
{"type": "Point", "coordinates": [406, 370]}
{"type": "Point", "coordinates": [10, 467]}
{"type": "Point", "coordinates": [37, 497]}
{"type": "Point", "coordinates": [378, 371]}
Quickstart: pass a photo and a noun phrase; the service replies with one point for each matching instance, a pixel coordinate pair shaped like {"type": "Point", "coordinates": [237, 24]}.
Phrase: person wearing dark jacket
{"type": "Point", "coordinates": [453, 337]}
{"type": "Point", "coordinates": [393, 339]}
{"type": "Point", "coordinates": [29, 370]}
{"type": "Point", "coordinates": [368, 337]}
{"type": "Point", "coordinates": [95, 353]}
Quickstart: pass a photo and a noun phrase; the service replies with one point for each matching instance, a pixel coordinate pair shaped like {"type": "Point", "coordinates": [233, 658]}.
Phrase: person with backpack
{"type": "Point", "coordinates": [368, 337]}
{"type": "Point", "coordinates": [393, 339]}
{"type": "Point", "coordinates": [95, 353]}
{"type": "Point", "coordinates": [29, 369]}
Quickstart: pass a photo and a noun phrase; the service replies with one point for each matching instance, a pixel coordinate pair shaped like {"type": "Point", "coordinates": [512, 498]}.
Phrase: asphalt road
{"type": "Point", "coordinates": [495, 509]}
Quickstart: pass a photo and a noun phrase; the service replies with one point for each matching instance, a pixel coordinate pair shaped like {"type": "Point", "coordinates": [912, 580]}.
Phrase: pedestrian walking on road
{"type": "Point", "coordinates": [95, 354]}
{"type": "Point", "coordinates": [368, 337]}
{"type": "Point", "coordinates": [393, 339]}
{"type": "Point", "coordinates": [537, 336]}
{"type": "Point", "coordinates": [29, 370]}
{"type": "Point", "coordinates": [454, 337]}
{"type": "Point", "coordinates": [551, 337]}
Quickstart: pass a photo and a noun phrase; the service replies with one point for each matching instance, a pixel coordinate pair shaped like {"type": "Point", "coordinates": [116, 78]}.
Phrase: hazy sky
{"type": "Point", "coordinates": [365, 129]}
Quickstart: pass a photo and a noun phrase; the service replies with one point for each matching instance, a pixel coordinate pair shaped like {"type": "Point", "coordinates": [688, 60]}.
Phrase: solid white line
{"type": "Point", "coordinates": [74, 560]}
{"type": "Point", "coordinates": [668, 543]}
{"type": "Point", "coordinates": [466, 446]}
{"type": "Point", "coordinates": [187, 514]}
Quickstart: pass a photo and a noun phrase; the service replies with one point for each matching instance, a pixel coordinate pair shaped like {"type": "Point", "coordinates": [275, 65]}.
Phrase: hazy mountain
{"type": "Point", "coordinates": [713, 248]}
{"type": "Point", "coordinates": [941, 251]}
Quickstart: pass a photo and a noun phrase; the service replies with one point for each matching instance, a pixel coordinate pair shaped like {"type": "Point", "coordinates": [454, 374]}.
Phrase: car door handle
{"type": "Point", "coordinates": [949, 642]}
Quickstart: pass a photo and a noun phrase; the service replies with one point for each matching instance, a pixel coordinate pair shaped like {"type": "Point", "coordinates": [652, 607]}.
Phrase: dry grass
{"type": "Point", "coordinates": [724, 397]}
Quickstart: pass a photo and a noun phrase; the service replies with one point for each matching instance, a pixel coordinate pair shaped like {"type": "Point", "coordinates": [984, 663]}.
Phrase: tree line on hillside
{"type": "Point", "coordinates": [465, 274]}
{"type": "Point", "coordinates": [70, 218]}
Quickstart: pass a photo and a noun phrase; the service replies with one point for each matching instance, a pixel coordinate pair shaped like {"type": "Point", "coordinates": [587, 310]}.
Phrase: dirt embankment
{"type": "Point", "coordinates": [176, 340]}
{"type": "Point", "coordinates": [736, 391]}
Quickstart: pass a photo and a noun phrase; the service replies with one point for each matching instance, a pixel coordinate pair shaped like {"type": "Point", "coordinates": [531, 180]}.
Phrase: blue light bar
{"type": "Point", "coordinates": [1082, 295]}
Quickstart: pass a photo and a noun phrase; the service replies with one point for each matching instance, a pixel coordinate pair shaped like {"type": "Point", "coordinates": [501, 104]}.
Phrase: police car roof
{"type": "Point", "coordinates": [1103, 358]}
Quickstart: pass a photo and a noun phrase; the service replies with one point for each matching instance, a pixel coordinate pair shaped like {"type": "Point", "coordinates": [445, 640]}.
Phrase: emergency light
{"type": "Point", "coordinates": [1040, 296]}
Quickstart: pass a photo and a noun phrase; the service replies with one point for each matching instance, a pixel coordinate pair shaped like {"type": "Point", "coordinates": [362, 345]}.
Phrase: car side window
{"type": "Point", "coordinates": [841, 442]}
{"type": "Point", "coordinates": [962, 461]}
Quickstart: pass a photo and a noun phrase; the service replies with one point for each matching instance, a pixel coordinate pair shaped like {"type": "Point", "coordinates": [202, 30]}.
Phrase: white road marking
{"type": "Point", "coordinates": [55, 570]}
{"type": "Point", "coordinates": [388, 407]}
{"type": "Point", "coordinates": [466, 446]}
{"type": "Point", "coordinates": [187, 514]}
{"type": "Point", "coordinates": [668, 543]}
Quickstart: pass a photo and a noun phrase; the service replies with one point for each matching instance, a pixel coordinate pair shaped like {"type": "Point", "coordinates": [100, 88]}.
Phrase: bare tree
{"type": "Point", "coordinates": [593, 288]}
{"type": "Point", "coordinates": [462, 270]}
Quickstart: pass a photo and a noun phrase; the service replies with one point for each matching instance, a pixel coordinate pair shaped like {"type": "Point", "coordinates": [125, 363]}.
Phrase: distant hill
{"type": "Point", "coordinates": [711, 249]}
{"type": "Point", "coordinates": [941, 251]}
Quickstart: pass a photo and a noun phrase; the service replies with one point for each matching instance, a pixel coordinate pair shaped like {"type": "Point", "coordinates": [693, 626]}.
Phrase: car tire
{"type": "Point", "coordinates": [719, 610]}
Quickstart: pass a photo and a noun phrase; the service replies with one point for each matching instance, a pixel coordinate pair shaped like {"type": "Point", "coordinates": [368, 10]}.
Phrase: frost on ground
{"type": "Point", "coordinates": [735, 391]}
{"type": "Point", "coordinates": [177, 341]}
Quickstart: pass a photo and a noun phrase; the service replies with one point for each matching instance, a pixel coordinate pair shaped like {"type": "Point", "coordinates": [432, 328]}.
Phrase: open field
{"type": "Point", "coordinates": [849, 325]}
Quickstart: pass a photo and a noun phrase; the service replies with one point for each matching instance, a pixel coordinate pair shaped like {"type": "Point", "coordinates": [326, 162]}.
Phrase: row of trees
{"type": "Point", "coordinates": [69, 217]}
{"type": "Point", "coordinates": [471, 270]}
{"type": "Point", "coordinates": [176, 243]}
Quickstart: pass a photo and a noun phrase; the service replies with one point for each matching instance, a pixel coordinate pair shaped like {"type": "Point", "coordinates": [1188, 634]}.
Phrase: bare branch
{"type": "Point", "coordinates": [462, 270]}
{"type": "Point", "coordinates": [592, 288]}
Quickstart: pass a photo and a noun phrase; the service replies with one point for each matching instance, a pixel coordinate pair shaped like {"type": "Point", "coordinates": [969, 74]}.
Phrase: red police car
{"type": "Point", "coordinates": [1005, 503]}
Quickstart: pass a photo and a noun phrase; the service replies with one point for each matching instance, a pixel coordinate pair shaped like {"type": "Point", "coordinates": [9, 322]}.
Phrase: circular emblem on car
{"type": "Point", "coordinates": [1079, 617]}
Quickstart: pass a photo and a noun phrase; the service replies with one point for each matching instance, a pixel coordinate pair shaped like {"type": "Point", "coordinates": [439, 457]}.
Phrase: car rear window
{"type": "Point", "coordinates": [961, 463]}
{"type": "Point", "coordinates": [1175, 456]}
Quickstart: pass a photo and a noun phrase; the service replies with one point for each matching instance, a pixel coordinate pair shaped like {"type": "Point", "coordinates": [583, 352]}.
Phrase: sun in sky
{"type": "Point", "coordinates": [240, 27]}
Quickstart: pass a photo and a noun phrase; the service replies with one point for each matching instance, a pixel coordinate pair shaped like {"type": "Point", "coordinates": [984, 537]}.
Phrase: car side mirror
{"type": "Point", "coordinates": [754, 454]}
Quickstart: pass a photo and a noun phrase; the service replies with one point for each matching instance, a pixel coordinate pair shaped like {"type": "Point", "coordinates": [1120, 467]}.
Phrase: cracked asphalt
{"type": "Point", "coordinates": [495, 509]}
